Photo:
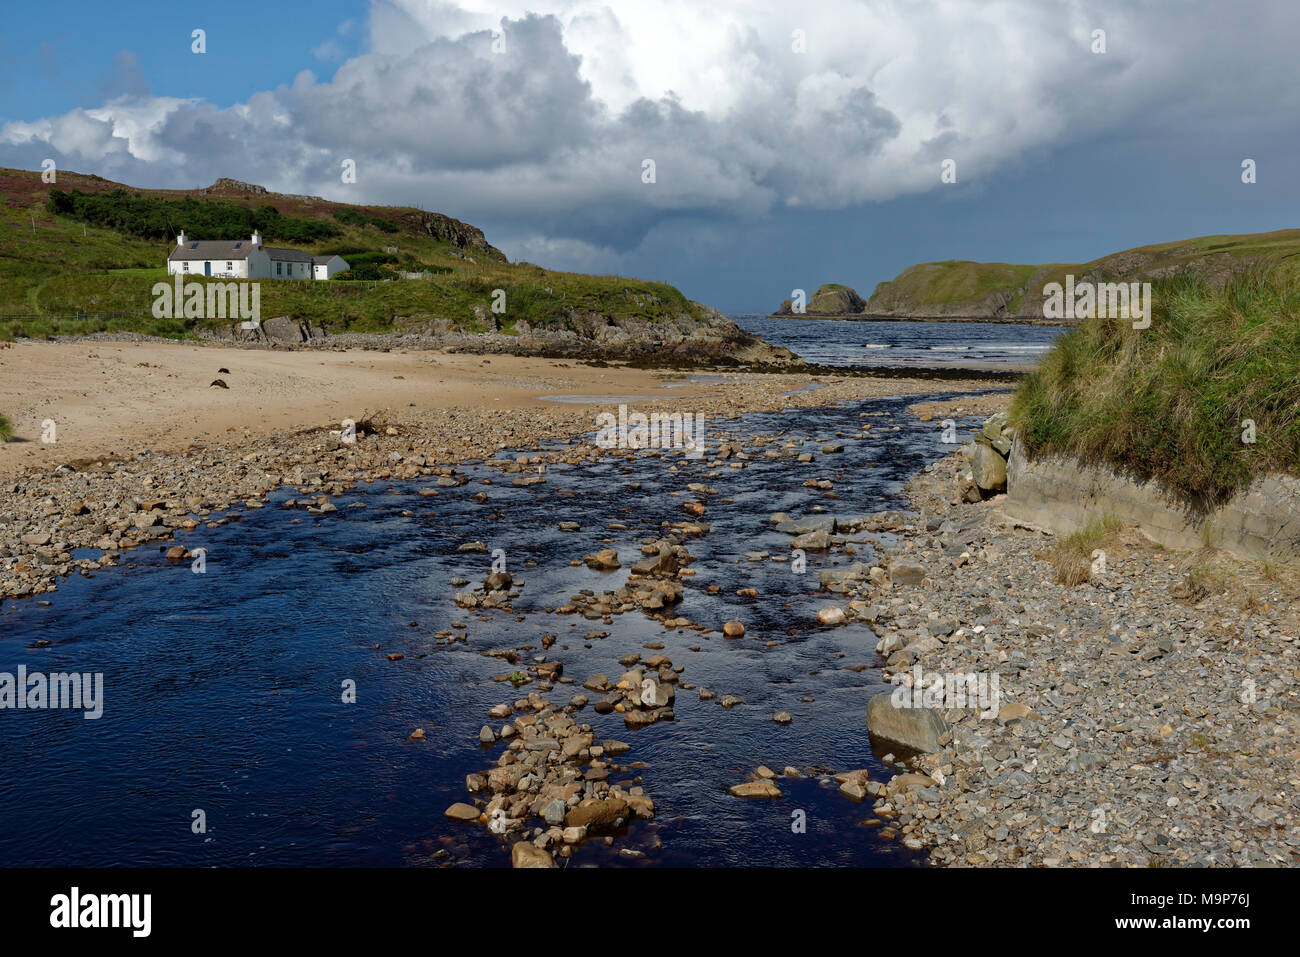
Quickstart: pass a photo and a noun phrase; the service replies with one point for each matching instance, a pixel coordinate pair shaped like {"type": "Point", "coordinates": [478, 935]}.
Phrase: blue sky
{"type": "Point", "coordinates": [776, 168]}
{"type": "Point", "coordinates": [50, 64]}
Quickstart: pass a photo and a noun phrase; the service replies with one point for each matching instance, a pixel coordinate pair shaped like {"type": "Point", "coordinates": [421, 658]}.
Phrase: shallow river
{"type": "Point", "coordinates": [223, 690]}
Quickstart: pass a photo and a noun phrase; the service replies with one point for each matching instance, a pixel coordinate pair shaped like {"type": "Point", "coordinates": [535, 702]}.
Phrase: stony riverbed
{"type": "Point", "coordinates": [1147, 715]}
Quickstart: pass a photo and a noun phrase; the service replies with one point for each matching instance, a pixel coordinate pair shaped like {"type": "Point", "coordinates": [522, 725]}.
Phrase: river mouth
{"type": "Point", "coordinates": [224, 691]}
{"type": "Point", "coordinates": [935, 348]}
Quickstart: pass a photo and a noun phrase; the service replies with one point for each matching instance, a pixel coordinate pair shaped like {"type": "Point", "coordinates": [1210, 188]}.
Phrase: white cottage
{"type": "Point", "coordinates": [248, 259]}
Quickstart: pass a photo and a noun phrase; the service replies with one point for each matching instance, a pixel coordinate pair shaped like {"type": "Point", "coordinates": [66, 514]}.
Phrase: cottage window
{"type": "Point", "coordinates": [277, 269]}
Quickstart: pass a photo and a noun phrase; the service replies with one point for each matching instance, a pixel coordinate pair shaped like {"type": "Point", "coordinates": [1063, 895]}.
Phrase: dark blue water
{"type": "Point", "coordinates": [223, 690]}
{"type": "Point", "coordinates": [979, 345]}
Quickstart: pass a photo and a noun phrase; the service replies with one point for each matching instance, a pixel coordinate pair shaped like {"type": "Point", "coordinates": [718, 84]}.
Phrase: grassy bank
{"type": "Point", "coordinates": [1176, 402]}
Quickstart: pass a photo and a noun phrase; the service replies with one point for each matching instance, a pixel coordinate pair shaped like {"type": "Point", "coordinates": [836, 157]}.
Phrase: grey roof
{"type": "Point", "coordinates": [323, 260]}
{"type": "Point", "coordinates": [216, 249]}
{"type": "Point", "coordinates": [212, 249]}
{"type": "Point", "coordinates": [288, 255]}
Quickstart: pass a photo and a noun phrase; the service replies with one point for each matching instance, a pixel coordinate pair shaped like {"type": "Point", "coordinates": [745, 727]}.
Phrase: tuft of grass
{"type": "Point", "coordinates": [1171, 402]}
{"type": "Point", "coordinates": [1071, 557]}
{"type": "Point", "coordinates": [6, 428]}
{"type": "Point", "coordinates": [1269, 570]}
{"type": "Point", "coordinates": [1205, 578]}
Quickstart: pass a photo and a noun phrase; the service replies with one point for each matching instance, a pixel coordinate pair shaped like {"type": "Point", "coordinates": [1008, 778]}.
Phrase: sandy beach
{"type": "Point", "coordinates": [109, 397]}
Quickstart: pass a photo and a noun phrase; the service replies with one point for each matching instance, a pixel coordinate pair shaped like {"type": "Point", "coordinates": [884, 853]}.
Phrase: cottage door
{"type": "Point", "coordinates": [207, 269]}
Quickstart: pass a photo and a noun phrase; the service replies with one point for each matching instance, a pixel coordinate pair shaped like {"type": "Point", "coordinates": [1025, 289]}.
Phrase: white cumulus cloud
{"type": "Point", "coordinates": [538, 114]}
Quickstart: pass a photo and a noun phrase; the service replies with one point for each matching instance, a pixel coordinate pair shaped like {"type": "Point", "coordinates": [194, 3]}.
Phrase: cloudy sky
{"type": "Point", "coordinates": [793, 143]}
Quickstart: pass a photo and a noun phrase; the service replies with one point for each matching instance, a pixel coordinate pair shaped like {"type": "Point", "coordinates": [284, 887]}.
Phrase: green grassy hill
{"type": "Point", "coordinates": [79, 259]}
{"type": "Point", "coordinates": [961, 289]}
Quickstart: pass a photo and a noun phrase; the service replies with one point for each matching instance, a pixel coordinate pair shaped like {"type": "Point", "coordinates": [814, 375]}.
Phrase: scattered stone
{"type": "Point", "coordinates": [762, 788]}
{"type": "Point", "coordinates": [462, 812]}
{"type": "Point", "coordinates": [523, 854]}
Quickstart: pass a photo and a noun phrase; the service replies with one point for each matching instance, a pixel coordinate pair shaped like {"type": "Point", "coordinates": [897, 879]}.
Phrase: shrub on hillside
{"type": "Point", "coordinates": [155, 218]}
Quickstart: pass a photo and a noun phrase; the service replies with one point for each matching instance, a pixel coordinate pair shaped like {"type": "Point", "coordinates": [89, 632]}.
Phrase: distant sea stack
{"type": "Point", "coordinates": [830, 299]}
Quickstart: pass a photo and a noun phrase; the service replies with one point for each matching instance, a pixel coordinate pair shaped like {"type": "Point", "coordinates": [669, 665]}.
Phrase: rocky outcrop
{"type": "Point", "coordinates": [226, 187]}
{"type": "Point", "coordinates": [678, 340]}
{"type": "Point", "coordinates": [1061, 495]}
{"type": "Point", "coordinates": [835, 300]}
{"type": "Point", "coordinates": [461, 235]}
{"type": "Point", "coordinates": [281, 330]}
{"type": "Point", "coordinates": [444, 228]}
{"type": "Point", "coordinates": [830, 299]}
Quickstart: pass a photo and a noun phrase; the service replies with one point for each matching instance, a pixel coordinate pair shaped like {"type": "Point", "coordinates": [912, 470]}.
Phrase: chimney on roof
{"type": "Point", "coordinates": [257, 238]}
{"type": "Point", "coordinates": [180, 239]}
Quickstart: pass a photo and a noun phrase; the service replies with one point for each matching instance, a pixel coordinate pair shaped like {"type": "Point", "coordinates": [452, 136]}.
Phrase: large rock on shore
{"type": "Point", "coordinates": [988, 469]}
{"type": "Point", "coordinates": [918, 729]}
{"type": "Point", "coordinates": [988, 455]}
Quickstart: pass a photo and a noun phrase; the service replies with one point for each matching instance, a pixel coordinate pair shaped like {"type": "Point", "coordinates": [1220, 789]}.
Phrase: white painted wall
{"type": "Point", "coordinates": [254, 267]}
{"type": "Point", "coordinates": [237, 268]}
{"type": "Point", "coordinates": [258, 265]}
{"type": "Point", "coordinates": [329, 269]}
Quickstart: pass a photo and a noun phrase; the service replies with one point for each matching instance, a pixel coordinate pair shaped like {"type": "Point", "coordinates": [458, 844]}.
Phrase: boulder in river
{"type": "Point", "coordinates": [597, 814]}
{"type": "Point", "coordinates": [756, 789]}
{"type": "Point", "coordinates": [462, 812]}
{"type": "Point", "coordinates": [524, 854]}
{"type": "Point", "coordinates": [604, 560]}
{"type": "Point", "coordinates": [918, 729]}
